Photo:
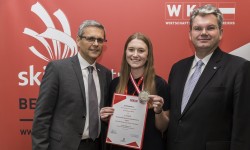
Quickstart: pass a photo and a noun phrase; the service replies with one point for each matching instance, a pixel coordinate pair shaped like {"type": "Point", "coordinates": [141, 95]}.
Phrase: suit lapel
{"type": "Point", "coordinates": [101, 81]}
{"type": "Point", "coordinates": [77, 68]}
{"type": "Point", "coordinates": [209, 71]}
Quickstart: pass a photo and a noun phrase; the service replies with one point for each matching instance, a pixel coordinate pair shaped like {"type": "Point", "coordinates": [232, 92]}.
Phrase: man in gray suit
{"type": "Point", "coordinates": [62, 118]}
{"type": "Point", "coordinates": [211, 113]}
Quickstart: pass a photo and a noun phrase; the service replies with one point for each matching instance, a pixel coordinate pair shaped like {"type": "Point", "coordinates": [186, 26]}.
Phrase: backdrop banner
{"type": "Point", "coordinates": [34, 32]}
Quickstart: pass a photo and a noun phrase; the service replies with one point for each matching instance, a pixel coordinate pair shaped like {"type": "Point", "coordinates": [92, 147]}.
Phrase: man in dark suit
{"type": "Point", "coordinates": [62, 114]}
{"type": "Point", "coordinates": [214, 113]}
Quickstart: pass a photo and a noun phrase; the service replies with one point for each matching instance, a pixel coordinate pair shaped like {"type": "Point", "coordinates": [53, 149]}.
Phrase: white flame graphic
{"type": "Point", "coordinates": [56, 36]}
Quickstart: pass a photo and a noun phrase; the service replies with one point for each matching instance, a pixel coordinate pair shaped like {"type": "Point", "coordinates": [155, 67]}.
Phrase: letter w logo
{"type": "Point", "coordinates": [174, 10]}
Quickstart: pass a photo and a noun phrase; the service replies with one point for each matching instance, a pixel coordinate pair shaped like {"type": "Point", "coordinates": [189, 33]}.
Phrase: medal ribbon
{"type": "Point", "coordinates": [135, 85]}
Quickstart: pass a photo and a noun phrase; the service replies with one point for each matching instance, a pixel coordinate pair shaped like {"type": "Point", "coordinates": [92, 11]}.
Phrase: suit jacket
{"type": "Point", "coordinates": [217, 116]}
{"type": "Point", "coordinates": [61, 108]}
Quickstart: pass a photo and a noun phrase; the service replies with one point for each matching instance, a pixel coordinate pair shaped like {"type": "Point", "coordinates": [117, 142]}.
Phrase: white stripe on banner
{"type": "Point", "coordinates": [243, 51]}
{"type": "Point", "coordinates": [227, 10]}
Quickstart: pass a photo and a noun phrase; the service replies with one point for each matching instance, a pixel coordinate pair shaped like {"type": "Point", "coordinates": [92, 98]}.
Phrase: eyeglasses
{"type": "Point", "coordinates": [92, 39]}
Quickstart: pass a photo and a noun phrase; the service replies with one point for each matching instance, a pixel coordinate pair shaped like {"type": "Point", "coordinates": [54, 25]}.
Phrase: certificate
{"type": "Point", "coordinates": [126, 125]}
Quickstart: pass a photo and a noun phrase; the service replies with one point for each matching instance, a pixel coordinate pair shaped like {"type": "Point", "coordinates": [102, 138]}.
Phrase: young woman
{"type": "Point", "coordinates": [138, 65]}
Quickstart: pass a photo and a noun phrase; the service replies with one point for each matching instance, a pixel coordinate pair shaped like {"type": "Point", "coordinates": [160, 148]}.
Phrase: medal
{"type": "Point", "coordinates": [144, 96]}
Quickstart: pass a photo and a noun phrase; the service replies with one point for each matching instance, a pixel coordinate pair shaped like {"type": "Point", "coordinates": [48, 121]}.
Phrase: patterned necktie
{"type": "Point", "coordinates": [93, 106]}
{"type": "Point", "coordinates": [189, 86]}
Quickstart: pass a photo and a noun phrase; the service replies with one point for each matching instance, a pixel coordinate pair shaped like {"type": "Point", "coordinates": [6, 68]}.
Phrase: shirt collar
{"type": "Point", "coordinates": [204, 60]}
{"type": "Point", "coordinates": [83, 63]}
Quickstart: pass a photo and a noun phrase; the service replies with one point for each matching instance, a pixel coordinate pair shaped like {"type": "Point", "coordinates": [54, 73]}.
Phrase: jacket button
{"type": "Point", "coordinates": [84, 117]}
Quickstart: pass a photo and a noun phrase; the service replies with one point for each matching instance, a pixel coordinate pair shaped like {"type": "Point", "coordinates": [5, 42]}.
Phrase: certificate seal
{"type": "Point", "coordinates": [144, 96]}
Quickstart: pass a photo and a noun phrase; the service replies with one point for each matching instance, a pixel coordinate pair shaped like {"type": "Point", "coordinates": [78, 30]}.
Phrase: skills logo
{"type": "Point", "coordinates": [62, 43]}
{"type": "Point", "coordinates": [178, 13]}
{"type": "Point", "coordinates": [57, 44]}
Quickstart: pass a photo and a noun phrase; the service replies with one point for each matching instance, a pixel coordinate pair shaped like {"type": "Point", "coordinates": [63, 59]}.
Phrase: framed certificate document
{"type": "Point", "coordinates": [126, 125]}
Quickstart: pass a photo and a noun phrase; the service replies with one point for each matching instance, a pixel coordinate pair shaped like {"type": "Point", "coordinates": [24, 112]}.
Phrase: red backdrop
{"type": "Point", "coordinates": [34, 32]}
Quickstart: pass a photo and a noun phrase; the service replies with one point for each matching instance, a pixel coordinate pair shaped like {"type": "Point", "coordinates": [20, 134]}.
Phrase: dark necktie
{"type": "Point", "coordinates": [189, 87]}
{"type": "Point", "coordinates": [93, 106]}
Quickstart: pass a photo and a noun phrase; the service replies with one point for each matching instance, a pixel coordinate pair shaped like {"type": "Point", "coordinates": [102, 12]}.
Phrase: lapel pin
{"type": "Point", "coordinates": [215, 68]}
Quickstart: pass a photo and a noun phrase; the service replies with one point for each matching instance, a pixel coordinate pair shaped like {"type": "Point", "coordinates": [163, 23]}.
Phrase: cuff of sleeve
{"type": "Point", "coordinates": [159, 112]}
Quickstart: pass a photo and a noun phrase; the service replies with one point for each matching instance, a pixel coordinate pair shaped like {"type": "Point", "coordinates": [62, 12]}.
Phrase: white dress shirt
{"type": "Point", "coordinates": [84, 64]}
